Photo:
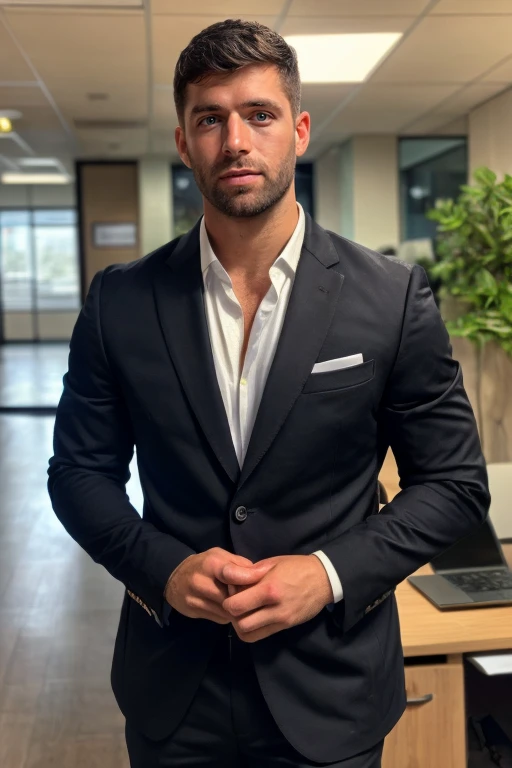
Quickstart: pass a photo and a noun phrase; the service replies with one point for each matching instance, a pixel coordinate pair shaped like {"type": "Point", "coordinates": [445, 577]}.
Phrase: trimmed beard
{"type": "Point", "coordinates": [236, 202]}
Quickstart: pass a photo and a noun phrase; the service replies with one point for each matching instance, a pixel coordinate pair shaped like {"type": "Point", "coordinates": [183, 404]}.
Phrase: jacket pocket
{"type": "Point", "coordinates": [342, 379]}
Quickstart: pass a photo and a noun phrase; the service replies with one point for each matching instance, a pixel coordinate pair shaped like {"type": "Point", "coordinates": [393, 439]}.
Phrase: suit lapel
{"type": "Point", "coordinates": [308, 316]}
{"type": "Point", "coordinates": [178, 288]}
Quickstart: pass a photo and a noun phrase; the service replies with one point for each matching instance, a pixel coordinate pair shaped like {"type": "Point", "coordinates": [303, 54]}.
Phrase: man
{"type": "Point", "coordinates": [261, 366]}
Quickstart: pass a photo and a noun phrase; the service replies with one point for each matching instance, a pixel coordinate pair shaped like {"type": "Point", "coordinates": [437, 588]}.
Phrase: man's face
{"type": "Point", "coordinates": [241, 140]}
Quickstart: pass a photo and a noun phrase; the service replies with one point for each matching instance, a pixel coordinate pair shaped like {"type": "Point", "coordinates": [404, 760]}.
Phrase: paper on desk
{"type": "Point", "coordinates": [492, 663]}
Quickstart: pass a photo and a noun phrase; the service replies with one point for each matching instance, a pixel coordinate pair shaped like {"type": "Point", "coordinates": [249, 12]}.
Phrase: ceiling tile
{"type": "Point", "coordinates": [12, 64]}
{"type": "Point", "coordinates": [162, 143]}
{"type": "Point", "coordinates": [357, 7]}
{"type": "Point", "coordinates": [131, 142]}
{"type": "Point", "coordinates": [18, 97]}
{"type": "Point", "coordinates": [9, 147]}
{"type": "Point", "coordinates": [456, 106]}
{"type": "Point", "coordinates": [437, 124]}
{"type": "Point", "coordinates": [319, 100]}
{"type": "Point", "coordinates": [385, 108]}
{"type": "Point", "coordinates": [47, 141]}
{"type": "Point", "coordinates": [164, 114]}
{"type": "Point", "coordinates": [338, 25]}
{"type": "Point", "coordinates": [467, 7]}
{"type": "Point", "coordinates": [172, 34]}
{"type": "Point", "coordinates": [448, 49]}
{"type": "Point", "coordinates": [501, 74]}
{"type": "Point", "coordinates": [42, 118]}
{"type": "Point", "coordinates": [96, 4]}
{"type": "Point", "coordinates": [470, 97]}
{"type": "Point", "coordinates": [124, 102]}
{"type": "Point", "coordinates": [104, 48]}
{"type": "Point", "coordinates": [224, 9]}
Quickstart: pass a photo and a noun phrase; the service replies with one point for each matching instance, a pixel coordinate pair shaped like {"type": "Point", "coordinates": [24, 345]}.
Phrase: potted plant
{"type": "Point", "coordinates": [474, 267]}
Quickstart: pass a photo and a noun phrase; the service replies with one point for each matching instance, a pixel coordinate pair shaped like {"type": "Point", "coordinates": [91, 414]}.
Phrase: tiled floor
{"type": "Point", "coordinates": [31, 374]}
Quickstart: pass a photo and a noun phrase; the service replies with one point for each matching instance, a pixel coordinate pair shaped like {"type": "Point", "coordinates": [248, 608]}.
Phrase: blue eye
{"type": "Point", "coordinates": [262, 115]}
{"type": "Point", "coordinates": [210, 117]}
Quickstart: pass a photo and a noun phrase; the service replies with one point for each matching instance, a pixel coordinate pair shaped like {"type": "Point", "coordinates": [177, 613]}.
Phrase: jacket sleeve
{"type": "Point", "coordinates": [93, 446]}
{"type": "Point", "coordinates": [429, 424]}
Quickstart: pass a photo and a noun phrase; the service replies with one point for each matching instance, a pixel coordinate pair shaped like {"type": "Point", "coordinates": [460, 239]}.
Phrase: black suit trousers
{"type": "Point", "coordinates": [228, 724]}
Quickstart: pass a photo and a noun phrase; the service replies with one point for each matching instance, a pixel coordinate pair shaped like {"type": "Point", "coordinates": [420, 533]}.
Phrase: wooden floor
{"type": "Point", "coordinates": [58, 618]}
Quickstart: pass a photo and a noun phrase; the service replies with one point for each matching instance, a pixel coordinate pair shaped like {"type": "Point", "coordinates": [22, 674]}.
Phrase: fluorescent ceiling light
{"type": "Point", "coordinates": [35, 178]}
{"type": "Point", "coordinates": [37, 162]}
{"type": "Point", "coordinates": [340, 58]}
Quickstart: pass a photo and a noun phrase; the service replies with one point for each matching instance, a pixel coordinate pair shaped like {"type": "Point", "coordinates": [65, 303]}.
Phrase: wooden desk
{"type": "Point", "coordinates": [432, 732]}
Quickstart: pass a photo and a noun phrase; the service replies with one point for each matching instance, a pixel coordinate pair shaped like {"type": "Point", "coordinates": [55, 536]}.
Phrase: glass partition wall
{"type": "Point", "coordinates": [39, 274]}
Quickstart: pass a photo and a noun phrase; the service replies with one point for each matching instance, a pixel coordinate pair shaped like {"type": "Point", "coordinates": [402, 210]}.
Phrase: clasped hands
{"type": "Point", "coordinates": [258, 599]}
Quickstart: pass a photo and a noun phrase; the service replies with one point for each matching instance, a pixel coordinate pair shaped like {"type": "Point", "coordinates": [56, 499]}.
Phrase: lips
{"type": "Point", "coordinates": [237, 173]}
{"type": "Point", "coordinates": [243, 177]}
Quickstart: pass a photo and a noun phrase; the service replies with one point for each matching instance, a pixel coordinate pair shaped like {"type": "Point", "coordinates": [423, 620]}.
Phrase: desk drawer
{"type": "Point", "coordinates": [432, 730]}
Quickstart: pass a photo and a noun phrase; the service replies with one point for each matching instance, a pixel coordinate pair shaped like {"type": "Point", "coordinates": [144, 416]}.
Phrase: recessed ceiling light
{"type": "Point", "coordinates": [35, 178]}
{"type": "Point", "coordinates": [5, 125]}
{"type": "Point", "coordinates": [341, 58]}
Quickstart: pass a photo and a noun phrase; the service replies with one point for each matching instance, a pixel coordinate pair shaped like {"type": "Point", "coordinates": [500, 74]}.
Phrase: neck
{"type": "Point", "coordinates": [248, 247]}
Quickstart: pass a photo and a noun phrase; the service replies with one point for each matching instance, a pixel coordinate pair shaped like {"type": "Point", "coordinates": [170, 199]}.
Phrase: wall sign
{"type": "Point", "coordinates": [122, 235]}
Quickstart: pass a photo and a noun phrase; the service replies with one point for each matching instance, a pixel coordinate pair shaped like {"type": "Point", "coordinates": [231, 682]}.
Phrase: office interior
{"type": "Point", "coordinates": [90, 176]}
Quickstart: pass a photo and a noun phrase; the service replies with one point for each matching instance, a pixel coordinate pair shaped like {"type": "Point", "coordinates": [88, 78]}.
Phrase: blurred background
{"type": "Point", "coordinates": [411, 102]}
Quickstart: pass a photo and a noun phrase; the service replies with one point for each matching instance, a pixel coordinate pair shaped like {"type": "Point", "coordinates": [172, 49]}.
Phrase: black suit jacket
{"type": "Point", "coordinates": [141, 373]}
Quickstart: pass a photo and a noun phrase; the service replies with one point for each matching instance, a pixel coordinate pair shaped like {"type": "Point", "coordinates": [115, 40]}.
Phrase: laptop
{"type": "Point", "coordinates": [472, 573]}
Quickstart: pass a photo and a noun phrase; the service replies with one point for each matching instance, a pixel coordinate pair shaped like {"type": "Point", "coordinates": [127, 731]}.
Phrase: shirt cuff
{"type": "Point", "coordinates": [337, 589]}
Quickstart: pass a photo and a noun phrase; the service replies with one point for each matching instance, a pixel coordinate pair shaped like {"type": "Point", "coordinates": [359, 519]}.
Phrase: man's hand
{"type": "Point", "coordinates": [195, 587]}
{"type": "Point", "coordinates": [275, 594]}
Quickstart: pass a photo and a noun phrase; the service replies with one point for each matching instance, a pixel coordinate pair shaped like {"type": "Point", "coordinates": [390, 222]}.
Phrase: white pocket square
{"type": "Point", "coordinates": [337, 364]}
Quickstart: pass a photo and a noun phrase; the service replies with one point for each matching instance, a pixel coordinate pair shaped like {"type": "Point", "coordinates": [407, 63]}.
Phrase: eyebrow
{"type": "Point", "coordinates": [199, 109]}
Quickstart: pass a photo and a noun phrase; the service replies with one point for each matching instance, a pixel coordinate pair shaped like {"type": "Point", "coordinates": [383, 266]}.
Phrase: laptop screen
{"type": "Point", "coordinates": [478, 550]}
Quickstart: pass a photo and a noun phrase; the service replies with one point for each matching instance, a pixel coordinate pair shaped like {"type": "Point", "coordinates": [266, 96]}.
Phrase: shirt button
{"type": "Point", "coordinates": [241, 514]}
{"type": "Point", "coordinates": [243, 382]}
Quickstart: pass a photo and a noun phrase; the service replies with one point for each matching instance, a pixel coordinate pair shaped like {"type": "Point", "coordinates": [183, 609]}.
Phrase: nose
{"type": "Point", "coordinates": [237, 137]}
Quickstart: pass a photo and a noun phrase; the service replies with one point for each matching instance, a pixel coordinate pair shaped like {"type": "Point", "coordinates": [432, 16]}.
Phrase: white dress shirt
{"type": "Point", "coordinates": [242, 393]}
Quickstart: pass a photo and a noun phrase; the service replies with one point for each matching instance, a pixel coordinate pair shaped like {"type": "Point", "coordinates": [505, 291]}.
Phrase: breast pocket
{"type": "Point", "coordinates": [341, 379]}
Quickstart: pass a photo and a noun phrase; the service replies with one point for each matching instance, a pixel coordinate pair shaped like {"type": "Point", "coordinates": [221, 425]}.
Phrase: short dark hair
{"type": "Point", "coordinates": [230, 45]}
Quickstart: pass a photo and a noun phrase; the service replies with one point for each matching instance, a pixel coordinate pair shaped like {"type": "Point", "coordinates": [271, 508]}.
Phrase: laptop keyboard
{"type": "Point", "coordinates": [479, 581]}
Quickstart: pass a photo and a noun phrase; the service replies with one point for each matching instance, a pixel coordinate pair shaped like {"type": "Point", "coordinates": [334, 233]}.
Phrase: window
{"type": "Point", "coordinates": [188, 202]}
{"type": "Point", "coordinates": [430, 168]}
{"type": "Point", "coordinates": [39, 260]}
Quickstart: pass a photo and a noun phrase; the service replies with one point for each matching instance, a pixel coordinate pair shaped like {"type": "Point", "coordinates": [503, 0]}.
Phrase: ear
{"type": "Point", "coordinates": [302, 133]}
{"type": "Point", "coordinates": [181, 145]}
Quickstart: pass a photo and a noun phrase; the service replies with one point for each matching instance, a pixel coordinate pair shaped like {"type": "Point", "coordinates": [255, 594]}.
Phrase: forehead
{"type": "Point", "coordinates": [253, 82]}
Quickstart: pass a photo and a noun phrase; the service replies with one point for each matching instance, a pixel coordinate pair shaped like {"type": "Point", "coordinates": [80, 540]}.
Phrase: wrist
{"type": "Point", "coordinates": [326, 586]}
{"type": "Point", "coordinates": [169, 580]}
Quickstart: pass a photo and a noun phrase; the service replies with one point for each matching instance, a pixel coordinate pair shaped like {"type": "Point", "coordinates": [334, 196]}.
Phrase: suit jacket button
{"type": "Point", "coordinates": [241, 514]}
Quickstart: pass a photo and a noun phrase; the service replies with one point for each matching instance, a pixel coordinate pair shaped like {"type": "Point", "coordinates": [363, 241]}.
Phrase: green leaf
{"type": "Point", "coordinates": [474, 257]}
{"type": "Point", "coordinates": [485, 176]}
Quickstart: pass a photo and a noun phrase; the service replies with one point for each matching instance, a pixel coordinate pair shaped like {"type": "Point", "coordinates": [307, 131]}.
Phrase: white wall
{"type": "Point", "coordinates": [356, 190]}
{"type": "Point", "coordinates": [155, 203]}
{"type": "Point", "coordinates": [347, 189]}
{"type": "Point", "coordinates": [376, 201]}
{"type": "Point", "coordinates": [490, 135]}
